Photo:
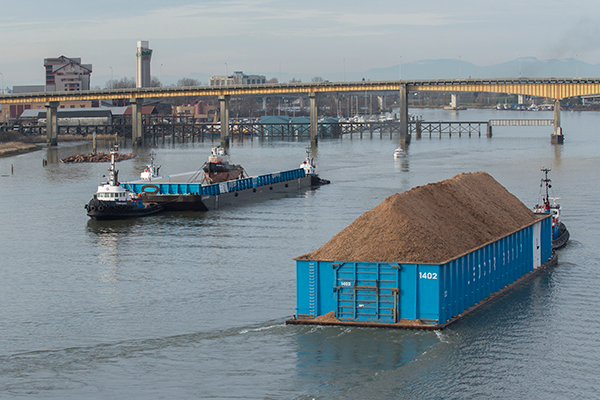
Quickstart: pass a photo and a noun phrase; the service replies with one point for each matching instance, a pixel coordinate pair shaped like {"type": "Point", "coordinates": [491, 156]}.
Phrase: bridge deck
{"type": "Point", "coordinates": [554, 88]}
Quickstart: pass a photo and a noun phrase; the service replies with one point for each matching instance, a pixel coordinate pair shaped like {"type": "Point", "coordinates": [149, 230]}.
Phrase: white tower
{"type": "Point", "coordinates": [143, 54]}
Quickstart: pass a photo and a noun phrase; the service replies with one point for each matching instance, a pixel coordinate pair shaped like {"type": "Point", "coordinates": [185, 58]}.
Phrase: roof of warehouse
{"type": "Point", "coordinates": [430, 224]}
{"type": "Point", "coordinates": [69, 113]}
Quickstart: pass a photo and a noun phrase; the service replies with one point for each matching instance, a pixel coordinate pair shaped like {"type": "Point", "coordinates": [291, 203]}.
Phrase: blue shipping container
{"type": "Point", "coordinates": [434, 294]}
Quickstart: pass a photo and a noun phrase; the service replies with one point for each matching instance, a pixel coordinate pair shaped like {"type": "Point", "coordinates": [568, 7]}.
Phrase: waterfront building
{"type": "Point", "coordinates": [238, 78]}
{"type": "Point", "coordinates": [67, 74]}
{"type": "Point", "coordinates": [198, 111]}
{"type": "Point", "coordinates": [14, 111]}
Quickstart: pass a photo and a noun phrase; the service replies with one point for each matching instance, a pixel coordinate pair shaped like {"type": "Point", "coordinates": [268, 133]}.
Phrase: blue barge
{"type": "Point", "coordinates": [420, 296]}
{"type": "Point", "coordinates": [179, 192]}
{"type": "Point", "coordinates": [379, 289]}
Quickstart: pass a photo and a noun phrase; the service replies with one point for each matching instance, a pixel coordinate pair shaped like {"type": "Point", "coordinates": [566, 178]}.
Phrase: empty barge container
{"type": "Point", "coordinates": [408, 293]}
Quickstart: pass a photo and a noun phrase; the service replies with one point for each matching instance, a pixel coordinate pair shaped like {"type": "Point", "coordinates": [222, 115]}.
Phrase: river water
{"type": "Point", "coordinates": [193, 305]}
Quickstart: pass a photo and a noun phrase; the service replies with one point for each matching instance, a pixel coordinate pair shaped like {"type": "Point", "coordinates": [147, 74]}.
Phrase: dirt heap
{"type": "Point", "coordinates": [430, 224]}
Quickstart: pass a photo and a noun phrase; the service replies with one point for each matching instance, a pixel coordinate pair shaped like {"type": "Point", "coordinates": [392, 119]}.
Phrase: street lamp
{"type": "Point", "coordinates": [400, 67]}
{"type": "Point", "coordinates": [2, 82]}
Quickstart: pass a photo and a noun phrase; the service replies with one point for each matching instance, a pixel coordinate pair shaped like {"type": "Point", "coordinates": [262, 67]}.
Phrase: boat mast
{"type": "Point", "coordinates": [546, 181]}
{"type": "Point", "coordinates": [112, 173]}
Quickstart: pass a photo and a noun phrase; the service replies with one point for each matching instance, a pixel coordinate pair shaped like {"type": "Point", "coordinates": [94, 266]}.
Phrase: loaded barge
{"type": "Point", "coordinates": [425, 258]}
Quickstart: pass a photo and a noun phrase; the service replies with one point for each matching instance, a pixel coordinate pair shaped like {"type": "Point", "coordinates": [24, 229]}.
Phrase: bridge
{"type": "Point", "coordinates": [554, 88]}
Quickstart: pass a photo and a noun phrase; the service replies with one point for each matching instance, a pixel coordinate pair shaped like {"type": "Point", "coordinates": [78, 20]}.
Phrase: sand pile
{"type": "Point", "coordinates": [430, 224]}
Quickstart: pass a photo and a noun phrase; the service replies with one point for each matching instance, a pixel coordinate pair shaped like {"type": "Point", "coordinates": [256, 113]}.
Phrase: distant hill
{"type": "Point", "coordinates": [454, 68]}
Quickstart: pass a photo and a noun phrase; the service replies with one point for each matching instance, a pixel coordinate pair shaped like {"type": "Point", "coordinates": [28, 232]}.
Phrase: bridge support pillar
{"type": "Point", "coordinates": [137, 127]}
{"type": "Point", "coordinates": [557, 137]}
{"type": "Point", "coordinates": [224, 103]}
{"type": "Point", "coordinates": [52, 123]}
{"type": "Point", "coordinates": [403, 103]}
{"type": "Point", "coordinates": [312, 97]}
{"type": "Point", "coordinates": [454, 101]}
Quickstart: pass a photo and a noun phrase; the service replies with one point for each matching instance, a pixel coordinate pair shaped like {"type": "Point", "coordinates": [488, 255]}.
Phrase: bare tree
{"type": "Point", "coordinates": [317, 79]}
{"type": "Point", "coordinates": [155, 82]}
{"type": "Point", "coordinates": [188, 82]}
{"type": "Point", "coordinates": [122, 83]}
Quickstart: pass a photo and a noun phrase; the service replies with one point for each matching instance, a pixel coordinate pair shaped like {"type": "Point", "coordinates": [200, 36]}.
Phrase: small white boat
{"type": "Point", "coordinates": [151, 171]}
{"type": "Point", "coordinates": [399, 153]}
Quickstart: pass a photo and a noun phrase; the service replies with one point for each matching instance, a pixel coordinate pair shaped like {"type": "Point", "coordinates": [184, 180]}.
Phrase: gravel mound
{"type": "Point", "coordinates": [430, 224]}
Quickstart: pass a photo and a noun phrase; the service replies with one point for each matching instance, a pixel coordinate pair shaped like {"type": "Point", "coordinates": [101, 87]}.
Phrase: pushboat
{"type": "Point", "coordinates": [151, 171]}
{"type": "Point", "coordinates": [219, 168]}
{"type": "Point", "coordinates": [114, 201]}
{"type": "Point", "coordinates": [310, 169]}
{"type": "Point", "coordinates": [560, 233]}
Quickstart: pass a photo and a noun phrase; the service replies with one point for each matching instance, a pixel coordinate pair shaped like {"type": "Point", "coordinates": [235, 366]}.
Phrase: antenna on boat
{"type": "Point", "coordinates": [546, 181]}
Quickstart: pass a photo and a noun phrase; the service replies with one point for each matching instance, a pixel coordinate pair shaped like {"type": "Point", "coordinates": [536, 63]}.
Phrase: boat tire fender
{"type": "Point", "coordinates": [151, 189]}
{"type": "Point", "coordinates": [100, 208]}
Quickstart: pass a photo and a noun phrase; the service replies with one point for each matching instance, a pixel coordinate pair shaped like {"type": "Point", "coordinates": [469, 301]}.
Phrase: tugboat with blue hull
{"type": "Point", "coordinates": [560, 233]}
{"type": "Point", "coordinates": [113, 201]}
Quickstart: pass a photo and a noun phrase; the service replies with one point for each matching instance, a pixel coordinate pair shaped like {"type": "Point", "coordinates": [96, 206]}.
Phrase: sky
{"type": "Point", "coordinates": [296, 37]}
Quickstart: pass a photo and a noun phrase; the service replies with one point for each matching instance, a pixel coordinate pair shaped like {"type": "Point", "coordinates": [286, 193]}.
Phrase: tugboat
{"type": "Point", "coordinates": [560, 233]}
{"type": "Point", "coordinates": [151, 170]}
{"type": "Point", "coordinates": [113, 201]}
{"type": "Point", "coordinates": [218, 168]}
{"type": "Point", "coordinates": [310, 169]}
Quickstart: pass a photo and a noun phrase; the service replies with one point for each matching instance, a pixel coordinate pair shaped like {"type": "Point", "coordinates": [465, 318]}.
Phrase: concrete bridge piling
{"type": "Point", "coordinates": [52, 123]}
{"type": "Point", "coordinates": [224, 112]}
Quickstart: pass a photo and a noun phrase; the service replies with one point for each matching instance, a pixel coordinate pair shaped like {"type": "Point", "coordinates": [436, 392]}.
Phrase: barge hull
{"type": "Point", "coordinates": [195, 202]}
{"type": "Point", "coordinates": [419, 295]}
{"type": "Point", "coordinates": [417, 325]}
{"type": "Point", "coordinates": [178, 194]}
